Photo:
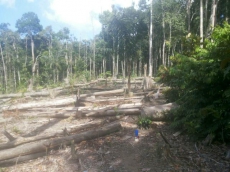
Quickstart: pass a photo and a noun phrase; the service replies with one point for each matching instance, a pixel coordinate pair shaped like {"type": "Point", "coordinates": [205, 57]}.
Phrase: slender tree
{"type": "Point", "coordinates": [201, 24]}
{"type": "Point", "coordinates": [29, 24]}
{"type": "Point", "coordinates": [150, 40]}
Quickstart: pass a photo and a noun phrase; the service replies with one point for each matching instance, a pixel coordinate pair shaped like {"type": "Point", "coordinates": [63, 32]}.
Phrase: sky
{"type": "Point", "coordinates": [80, 16]}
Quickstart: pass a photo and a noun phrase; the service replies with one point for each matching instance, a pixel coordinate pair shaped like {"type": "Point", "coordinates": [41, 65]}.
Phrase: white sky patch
{"type": "Point", "coordinates": [81, 15]}
{"type": "Point", "coordinates": [8, 3]}
{"type": "Point", "coordinates": [30, 0]}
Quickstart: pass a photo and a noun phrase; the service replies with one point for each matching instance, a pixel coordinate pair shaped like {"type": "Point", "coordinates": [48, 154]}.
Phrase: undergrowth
{"type": "Point", "coordinates": [200, 83]}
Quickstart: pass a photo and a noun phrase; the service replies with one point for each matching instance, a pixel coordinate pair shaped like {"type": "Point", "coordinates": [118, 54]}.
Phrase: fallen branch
{"type": "Point", "coordinates": [8, 135]}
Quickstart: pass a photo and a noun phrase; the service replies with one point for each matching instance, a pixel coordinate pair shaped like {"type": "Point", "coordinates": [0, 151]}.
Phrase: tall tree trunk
{"type": "Point", "coordinates": [212, 18]}
{"type": "Point", "coordinates": [32, 52]}
{"type": "Point", "coordinates": [113, 58]}
{"type": "Point", "coordinates": [67, 61]}
{"type": "Point", "coordinates": [94, 58]}
{"type": "Point", "coordinates": [201, 24]}
{"type": "Point", "coordinates": [150, 40]}
{"type": "Point", "coordinates": [129, 77]}
{"type": "Point", "coordinates": [189, 15]}
{"type": "Point", "coordinates": [117, 57]}
{"type": "Point", "coordinates": [226, 10]}
{"type": "Point", "coordinates": [79, 49]}
{"type": "Point", "coordinates": [206, 14]}
{"type": "Point", "coordinates": [86, 56]}
{"type": "Point", "coordinates": [15, 80]}
{"type": "Point", "coordinates": [124, 74]}
{"type": "Point", "coordinates": [54, 76]}
{"type": "Point", "coordinates": [140, 67]}
{"type": "Point", "coordinates": [163, 27]}
{"type": "Point", "coordinates": [4, 68]}
{"type": "Point", "coordinates": [26, 52]}
{"type": "Point", "coordinates": [33, 63]}
{"type": "Point", "coordinates": [37, 68]}
{"type": "Point", "coordinates": [71, 60]}
{"type": "Point", "coordinates": [104, 67]}
{"type": "Point", "coordinates": [17, 67]}
{"type": "Point", "coordinates": [170, 41]}
{"type": "Point", "coordinates": [90, 70]}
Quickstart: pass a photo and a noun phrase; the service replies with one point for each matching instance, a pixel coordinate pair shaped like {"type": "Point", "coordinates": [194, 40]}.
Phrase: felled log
{"type": "Point", "coordinates": [88, 113]}
{"type": "Point", "coordinates": [133, 111]}
{"type": "Point", "coordinates": [104, 99]}
{"type": "Point", "coordinates": [46, 145]}
{"type": "Point", "coordinates": [31, 94]}
{"type": "Point", "coordinates": [156, 111]}
{"type": "Point", "coordinates": [58, 102]}
{"type": "Point", "coordinates": [123, 109]}
{"type": "Point", "coordinates": [104, 93]}
{"type": "Point", "coordinates": [20, 159]}
{"type": "Point", "coordinates": [22, 140]}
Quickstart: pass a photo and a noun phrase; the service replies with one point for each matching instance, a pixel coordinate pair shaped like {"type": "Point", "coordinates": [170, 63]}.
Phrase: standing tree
{"type": "Point", "coordinates": [151, 41]}
{"type": "Point", "coordinates": [29, 25]}
{"type": "Point", "coordinates": [201, 23]}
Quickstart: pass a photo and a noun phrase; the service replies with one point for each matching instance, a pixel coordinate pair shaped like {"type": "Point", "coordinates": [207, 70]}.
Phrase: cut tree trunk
{"type": "Point", "coordinates": [46, 145]}
{"type": "Point", "coordinates": [156, 111]}
{"type": "Point", "coordinates": [19, 159]}
{"type": "Point", "coordinates": [87, 113]}
{"type": "Point", "coordinates": [59, 102]}
{"type": "Point", "coordinates": [125, 109]}
{"type": "Point", "coordinates": [23, 140]}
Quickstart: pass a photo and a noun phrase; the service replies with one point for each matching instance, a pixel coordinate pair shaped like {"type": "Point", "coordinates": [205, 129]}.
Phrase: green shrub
{"type": "Point", "coordinates": [200, 84]}
{"type": "Point", "coordinates": [144, 122]}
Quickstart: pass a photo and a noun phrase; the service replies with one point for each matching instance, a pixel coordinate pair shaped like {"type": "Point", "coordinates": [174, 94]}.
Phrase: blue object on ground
{"type": "Point", "coordinates": [136, 133]}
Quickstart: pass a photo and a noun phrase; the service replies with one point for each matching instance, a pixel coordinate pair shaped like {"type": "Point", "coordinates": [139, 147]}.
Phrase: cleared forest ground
{"type": "Point", "coordinates": [102, 125]}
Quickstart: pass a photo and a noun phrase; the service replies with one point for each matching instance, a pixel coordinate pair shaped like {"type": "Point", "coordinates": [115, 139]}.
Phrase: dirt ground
{"type": "Point", "coordinates": [117, 152]}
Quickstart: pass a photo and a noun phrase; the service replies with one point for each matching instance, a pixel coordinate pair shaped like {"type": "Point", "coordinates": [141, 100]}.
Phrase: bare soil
{"type": "Point", "coordinates": [118, 152]}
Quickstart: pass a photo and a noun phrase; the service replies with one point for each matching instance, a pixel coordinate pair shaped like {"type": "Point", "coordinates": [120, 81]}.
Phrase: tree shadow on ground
{"type": "Point", "coordinates": [42, 128]}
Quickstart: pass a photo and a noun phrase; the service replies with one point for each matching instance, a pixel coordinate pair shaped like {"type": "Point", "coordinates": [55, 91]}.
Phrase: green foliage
{"type": "Point", "coordinates": [144, 122]}
{"type": "Point", "coordinates": [29, 24]}
{"type": "Point", "coordinates": [200, 83]}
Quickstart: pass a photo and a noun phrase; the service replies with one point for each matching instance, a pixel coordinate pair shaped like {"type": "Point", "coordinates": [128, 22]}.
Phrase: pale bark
{"type": "Point", "coordinates": [201, 24]}
{"type": "Point", "coordinates": [4, 68]}
{"type": "Point", "coordinates": [212, 19]}
{"type": "Point", "coordinates": [170, 40]}
{"type": "Point", "coordinates": [72, 129]}
{"type": "Point", "coordinates": [227, 10]}
{"type": "Point", "coordinates": [206, 14]}
{"type": "Point", "coordinates": [66, 60]}
{"type": "Point", "coordinates": [124, 74]}
{"type": "Point", "coordinates": [33, 57]}
{"type": "Point", "coordinates": [118, 45]}
{"type": "Point", "coordinates": [46, 145]}
{"type": "Point", "coordinates": [126, 109]}
{"type": "Point", "coordinates": [113, 57]}
{"type": "Point", "coordinates": [57, 102]}
{"type": "Point", "coordinates": [163, 29]}
{"type": "Point", "coordinates": [150, 41]}
{"type": "Point", "coordinates": [140, 68]}
{"type": "Point", "coordinates": [94, 58]}
{"type": "Point", "coordinates": [129, 77]}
